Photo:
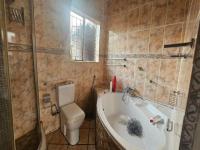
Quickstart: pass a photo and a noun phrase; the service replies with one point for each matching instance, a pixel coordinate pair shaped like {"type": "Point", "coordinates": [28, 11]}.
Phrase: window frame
{"type": "Point", "coordinates": [97, 23]}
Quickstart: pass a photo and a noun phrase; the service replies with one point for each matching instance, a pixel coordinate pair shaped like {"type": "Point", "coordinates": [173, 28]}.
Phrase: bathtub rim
{"type": "Point", "coordinates": [120, 142]}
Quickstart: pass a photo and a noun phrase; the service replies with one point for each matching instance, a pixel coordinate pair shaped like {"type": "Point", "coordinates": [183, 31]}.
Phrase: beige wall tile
{"type": "Point", "coordinates": [162, 94]}
{"type": "Point", "coordinates": [133, 20]}
{"type": "Point", "coordinates": [156, 40]}
{"type": "Point", "coordinates": [195, 10]}
{"type": "Point", "coordinates": [150, 90]}
{"type": "Point", "coordinates": [159, 12]}
{"type": "Point", "coordinates": [138, 42]}
{"type": "Point", "coordinates": [140, 87]}
{"type": "Point", "coordinates": [176, 11]}
{"type": "Point", "coordinates": [135, 3]}
{"type": "Point", "coordinates": [169, 72]}
{"type": "Point", "coordinates": [173, 34]}
{"type": "Point", "coordinates": [145, 16]}
{"type": "Point", "coordinates": [140, 70]}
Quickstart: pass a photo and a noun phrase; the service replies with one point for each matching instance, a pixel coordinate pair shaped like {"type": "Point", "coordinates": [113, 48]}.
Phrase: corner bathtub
{"type": "Point", "coordinates": [113, 113]}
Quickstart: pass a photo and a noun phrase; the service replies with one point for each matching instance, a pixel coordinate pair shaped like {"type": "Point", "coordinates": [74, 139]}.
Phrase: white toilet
{"type": "Point", "coordinates": [71, 115]}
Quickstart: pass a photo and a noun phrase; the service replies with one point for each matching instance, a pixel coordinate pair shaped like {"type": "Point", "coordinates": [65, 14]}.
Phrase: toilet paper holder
{"type": "Point", "coordinates": [54, 110]}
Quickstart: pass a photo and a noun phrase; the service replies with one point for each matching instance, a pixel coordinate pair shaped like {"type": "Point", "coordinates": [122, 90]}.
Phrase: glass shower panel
{"type": "Point", "coordinates": [21, 68]}
{"type": "Point", "coordinates": [6, 130]}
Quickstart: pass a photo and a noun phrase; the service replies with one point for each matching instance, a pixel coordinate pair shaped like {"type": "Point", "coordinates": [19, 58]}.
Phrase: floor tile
{"type": "Point", "coordinates": [91, 147]}
{"type": "Point", "coordinates": [84, 135]}
{"type": "Point", "coordinates": [78, 147]}
{"type": "Point", "coordinates": [57, 147]}
{"type": "Point", "coordinates": [86, 124]}
{"type": "Point", "coordinates": [56, 138]}
{"type": "Point", "coordinates": [92, 124]}
{"type": "Point", "coordinates": [92, 136]}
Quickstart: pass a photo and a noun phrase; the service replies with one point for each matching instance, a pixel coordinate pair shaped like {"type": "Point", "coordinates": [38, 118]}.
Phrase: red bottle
{"type": "Point", "coordinates": [114, 84]}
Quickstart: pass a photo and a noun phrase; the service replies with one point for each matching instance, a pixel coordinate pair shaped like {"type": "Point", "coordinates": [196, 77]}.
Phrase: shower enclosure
{"type": "Point", "coordinates": [18, 78]}
{"type": "Point", "coordinates": [6, 131]}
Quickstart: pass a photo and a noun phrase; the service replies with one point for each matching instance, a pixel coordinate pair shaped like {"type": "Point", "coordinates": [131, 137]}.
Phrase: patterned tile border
{"type": "Point", "coordinates": [28, 48]}
{"type": "Point", "coordinates": [20, 47]}
{"type": "Point", "coordinates": [193, 106]}
{"type": "Point", "coordinates": [51, 50]}
{"type": "Point", "coordinates": [60, 51]}
{"type": "Point", "coordinates": [147, 56]}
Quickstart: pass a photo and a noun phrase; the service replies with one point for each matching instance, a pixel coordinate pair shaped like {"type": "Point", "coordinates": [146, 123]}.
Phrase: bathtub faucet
{"type": "Point", "coordinates": [132, 92]}
{"type": "Point", "coordinates": [157, 120]}
{"type": "Point", "coordinates": [126, 91]}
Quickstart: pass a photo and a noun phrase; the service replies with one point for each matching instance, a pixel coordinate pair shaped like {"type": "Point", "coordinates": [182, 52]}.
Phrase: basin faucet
{"type": "Point", "coordinates": [157, 120]}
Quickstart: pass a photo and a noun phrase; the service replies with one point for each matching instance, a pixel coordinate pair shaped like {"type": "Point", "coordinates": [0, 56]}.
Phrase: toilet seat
{"type": "Point", "coordinates": [72, 113]}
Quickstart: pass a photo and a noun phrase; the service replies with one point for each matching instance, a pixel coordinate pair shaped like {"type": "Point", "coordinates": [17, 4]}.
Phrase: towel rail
{"type": "Point", "coordinates": [124, 59]}
{"type": "Point", "coordinates": [116, 65]}
{"type": "Point", "coordinates": [191, 44]}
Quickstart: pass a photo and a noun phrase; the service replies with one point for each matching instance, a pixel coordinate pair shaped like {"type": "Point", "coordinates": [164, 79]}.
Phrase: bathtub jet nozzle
{"type": "Point", "coordinates": [134, 128]}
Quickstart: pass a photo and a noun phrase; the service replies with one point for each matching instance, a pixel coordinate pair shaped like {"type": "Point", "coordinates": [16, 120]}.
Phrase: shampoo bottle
{"type": "Point", "coordinates": [114, 84]}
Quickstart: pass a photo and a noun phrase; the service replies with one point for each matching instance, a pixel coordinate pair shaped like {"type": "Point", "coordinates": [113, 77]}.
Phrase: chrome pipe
{"type": "Point", "coordinates": [116, 65]}
{"type": "Point", "coordinates": [125, 59]}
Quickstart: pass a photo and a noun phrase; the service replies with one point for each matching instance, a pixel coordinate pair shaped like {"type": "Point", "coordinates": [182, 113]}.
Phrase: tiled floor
{"type": "Point", "coordinates": [56, 141]}
{"type": "Point", "coordinates": [29, 141]}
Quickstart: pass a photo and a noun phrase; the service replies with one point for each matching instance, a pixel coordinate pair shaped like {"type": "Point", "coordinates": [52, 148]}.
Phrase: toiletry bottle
{"type": "Point", "coordinates": [114, 84]}
{"type": "Point", "coordinates": [110, 86]}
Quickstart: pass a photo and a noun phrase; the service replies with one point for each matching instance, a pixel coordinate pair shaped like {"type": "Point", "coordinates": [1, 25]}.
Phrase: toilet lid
{"type": "Point", "coordinates": [72, 112]}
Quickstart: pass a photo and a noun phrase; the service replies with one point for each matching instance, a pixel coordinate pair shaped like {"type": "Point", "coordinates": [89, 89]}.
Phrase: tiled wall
{"type": "Point", "coordinates": [53, 53]}
{"type": "Point", "coordinates": [138, 31]}
{"type": "Point", "coordinates": [190, 133]}
{"type": "Point", "coordinates": [191, 31]}
{"type": "Point", "coordinates": [21, 72]}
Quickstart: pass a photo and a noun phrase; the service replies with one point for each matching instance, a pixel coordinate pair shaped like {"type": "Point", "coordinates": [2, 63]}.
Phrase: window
{"type": "Point", "coordinates": [84, 38]}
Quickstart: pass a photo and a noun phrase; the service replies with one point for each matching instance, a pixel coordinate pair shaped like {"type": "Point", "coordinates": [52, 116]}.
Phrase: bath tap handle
{"type": "Point", "coordinates": [131, 92]}
{"type": "Point", "coordinates": [169, 125]}
{"type": "Point", "coordinates": [54, 110]}
{"type": "Point", "coordinates": [156, 120]}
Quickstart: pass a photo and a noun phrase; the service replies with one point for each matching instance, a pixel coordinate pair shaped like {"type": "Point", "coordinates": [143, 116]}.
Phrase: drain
{"type": "Point", "coordinates": [134, 128]}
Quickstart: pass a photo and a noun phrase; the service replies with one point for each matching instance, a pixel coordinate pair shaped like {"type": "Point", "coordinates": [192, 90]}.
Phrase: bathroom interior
{"type": "Point", "coordinates": [99, 74]}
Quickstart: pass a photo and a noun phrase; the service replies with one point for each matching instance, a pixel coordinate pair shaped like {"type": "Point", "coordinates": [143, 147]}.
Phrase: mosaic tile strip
{"type": "Point", "coordinates": [19, 47]}
{"type": "Point", "coordinates": [150, 56]}
{"type": "Point", "coordinates": [51, 50]}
